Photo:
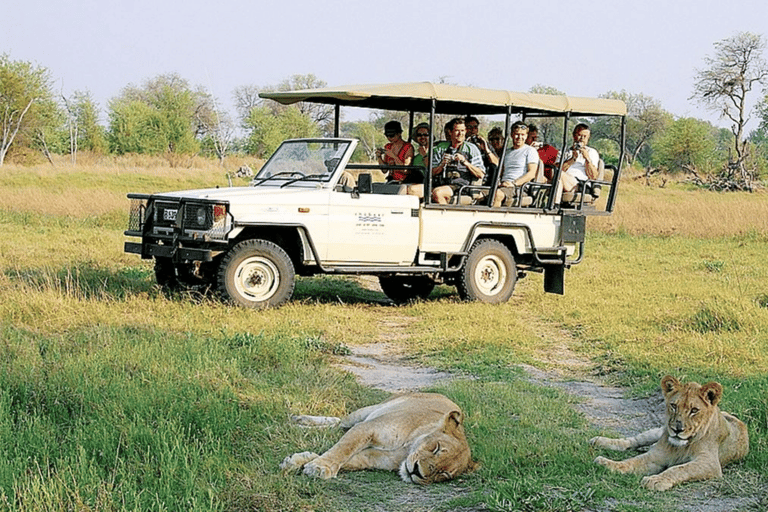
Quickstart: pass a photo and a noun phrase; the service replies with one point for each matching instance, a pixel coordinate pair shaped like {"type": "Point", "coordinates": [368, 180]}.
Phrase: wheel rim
{"type": "Point", "coordinates": [490, 275]}
{"type": "Point", "coordinates": [256, 278]}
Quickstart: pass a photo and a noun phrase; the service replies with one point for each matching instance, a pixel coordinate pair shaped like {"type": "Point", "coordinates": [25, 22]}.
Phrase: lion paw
{"type": "Point", "coordinates": [603, 461]}
{"type": "Point", "coordinates": [656, 483]}
{"type": "Point", "coordinates": [295, 462]}
{"type": "Point", "coordinates": [597, 441]}
{"type": "Point", "coordinates": [320, 470]}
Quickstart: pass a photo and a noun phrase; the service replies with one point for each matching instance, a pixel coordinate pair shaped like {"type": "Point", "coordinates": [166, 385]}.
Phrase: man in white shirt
{"type": "Point", "coordinates": [582, 161]}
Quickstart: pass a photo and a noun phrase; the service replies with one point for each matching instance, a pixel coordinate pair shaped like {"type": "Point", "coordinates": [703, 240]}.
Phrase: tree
{"type": "Point", "coordinates": [83, 124]}
{"type": "Point", "coordinates": [267, 130]}
{"type": "Point", "coordinates": [164, 116]}
{"type": "Point", "coordinates": [247, 98]}
{"type": "Point", "coordinates": [26, 103]}
{"type": "Point", "coordinates": [550, 128]}
{"type": "Point", "coordinates": [723, 86]}
{"type": "Point", "coordinates": [645, 118]}
{"type": "Point", "coordinates": [370, 137]}
{"type": "Point", "coordinates": [686, 145]}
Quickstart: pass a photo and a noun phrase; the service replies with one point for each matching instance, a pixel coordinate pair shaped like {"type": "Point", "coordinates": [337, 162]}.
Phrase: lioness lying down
{"type": "Point", "coordinates": [696, 442]}
{"type": "Point", "coordinates": [419, 434]}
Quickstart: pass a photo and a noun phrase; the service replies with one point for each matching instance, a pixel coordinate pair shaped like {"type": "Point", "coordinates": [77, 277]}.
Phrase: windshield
{"type": "Point", "coordinates": [298, 161]}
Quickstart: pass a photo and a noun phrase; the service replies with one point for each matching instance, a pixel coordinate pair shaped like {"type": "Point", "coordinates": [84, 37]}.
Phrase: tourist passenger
{"type": "Point", "coordinates": [582, 161]}
{"type": "Point", "coordinates": [396, 152]}
{"type": "Point", "coordinates": [490, 158]}
{"type": "Point", "coordinates": [421, 137]}
{"type": "Point", "coordinates": [520, 164]}
{"type": "Point", "coordinates": [496, 140]}
{"type": "Point", "coordinates": [460, 164]}
{"type": "Point", "coordinates": [547, 153]}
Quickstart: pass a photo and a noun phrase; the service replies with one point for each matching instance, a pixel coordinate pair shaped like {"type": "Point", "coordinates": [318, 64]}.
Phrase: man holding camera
{"type": "Point", "coordinates": [582, 162]}
{"type": "Point", "coordinates": [457, 165]}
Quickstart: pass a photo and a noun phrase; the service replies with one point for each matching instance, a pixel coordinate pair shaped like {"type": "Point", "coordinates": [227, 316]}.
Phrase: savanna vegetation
{"type": "Point", "coordinates": [115, 396]}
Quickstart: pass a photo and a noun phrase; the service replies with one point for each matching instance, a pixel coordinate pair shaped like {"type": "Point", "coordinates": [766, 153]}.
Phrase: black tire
{"type": "Point", "coordinates": [489, 273]}
{"type": "Point", "coordinates": [257, 274]}
{"type": "Point", "coordinates": [403, 289]}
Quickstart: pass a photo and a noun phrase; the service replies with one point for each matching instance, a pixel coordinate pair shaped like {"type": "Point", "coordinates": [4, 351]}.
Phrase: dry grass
{"type": "Point", "coordinates": [678, 209]}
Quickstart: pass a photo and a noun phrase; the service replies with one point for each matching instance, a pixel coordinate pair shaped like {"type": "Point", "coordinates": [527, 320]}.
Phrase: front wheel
{"type": "Point", "coordinates": [257, 274]}
{"type": "Point", "coordinates": [489, 273]}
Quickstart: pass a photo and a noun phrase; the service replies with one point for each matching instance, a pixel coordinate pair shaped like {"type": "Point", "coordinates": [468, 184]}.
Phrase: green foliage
{"type": "Point", "coordinates": [370, 138]}
{"type": "Point", "coordinates": [267, 129]}
{"type": "Point", "coordinates": [645, 119]}
{"type": "Point", "coordinates": [83, 121]}
{"type": "Point", "coordinates": [550, 128]}
{"type": "Point", "coordinates": [687, 142]}
{"type": "Point", "coordinates": [27, 109]}
{"type": "Point", "coordinates": [160, 118]}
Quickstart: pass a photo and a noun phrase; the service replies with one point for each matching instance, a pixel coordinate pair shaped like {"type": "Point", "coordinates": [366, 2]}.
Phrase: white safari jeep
{"type": "Point", "coordinates": [302, 215]}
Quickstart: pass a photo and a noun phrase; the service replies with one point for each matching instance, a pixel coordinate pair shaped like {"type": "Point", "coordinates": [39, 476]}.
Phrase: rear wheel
{"type": "Point", "coordinates": [257, 274]}
{"type": "Point", "coordinates": [489, 273]}
{"type": "Point", "coordinates": [402, 289]}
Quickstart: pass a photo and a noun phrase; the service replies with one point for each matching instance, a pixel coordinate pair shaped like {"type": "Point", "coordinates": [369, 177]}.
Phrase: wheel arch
{"type": "Point", "coordinates": [513, 237]}
{"type": "Point", "coordinates": [293, 239]}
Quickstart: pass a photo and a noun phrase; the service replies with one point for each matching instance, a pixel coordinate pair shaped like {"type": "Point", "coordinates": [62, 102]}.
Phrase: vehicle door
{"type": "Point", "coordinates": [372, 229]}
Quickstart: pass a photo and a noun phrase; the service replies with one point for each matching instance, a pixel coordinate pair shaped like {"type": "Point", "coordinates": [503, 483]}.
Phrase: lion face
{"type": "Point", "coordinates": [439, 455]}
{"type": "Point", "coordinates": [689, 408]}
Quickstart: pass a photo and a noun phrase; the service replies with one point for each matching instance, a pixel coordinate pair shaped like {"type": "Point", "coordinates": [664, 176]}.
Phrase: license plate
{"type": "Point", "coordinates": [170, 214]}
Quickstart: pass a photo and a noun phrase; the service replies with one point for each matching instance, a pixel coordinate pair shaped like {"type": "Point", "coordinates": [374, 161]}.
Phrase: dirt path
{"type": "Point", "coordinates": [384, 364]}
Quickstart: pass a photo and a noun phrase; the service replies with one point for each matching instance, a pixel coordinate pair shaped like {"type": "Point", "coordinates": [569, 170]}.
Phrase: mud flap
{"type": "Point", "coordinates": [554, 276]}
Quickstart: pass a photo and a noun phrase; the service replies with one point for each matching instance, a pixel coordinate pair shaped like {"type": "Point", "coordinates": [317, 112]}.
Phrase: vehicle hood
{"type": "Point", "coordinates": [254, 195]}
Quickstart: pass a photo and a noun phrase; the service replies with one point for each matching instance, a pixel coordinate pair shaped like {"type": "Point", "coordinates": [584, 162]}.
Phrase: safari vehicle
{"type": "Point", "coordinates": [300, 216]}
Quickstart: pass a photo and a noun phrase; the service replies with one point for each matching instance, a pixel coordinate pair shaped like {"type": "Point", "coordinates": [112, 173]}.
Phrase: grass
{"type": "Point", "coordinates": [114, 396]}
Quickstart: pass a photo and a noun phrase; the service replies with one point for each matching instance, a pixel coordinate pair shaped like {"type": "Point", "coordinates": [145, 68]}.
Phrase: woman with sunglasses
{"type": "Point", "coordinates": [396, 152]}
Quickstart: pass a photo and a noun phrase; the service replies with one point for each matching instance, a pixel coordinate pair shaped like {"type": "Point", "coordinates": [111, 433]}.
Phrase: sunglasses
{"type": "Point", "coordinates": [390, 134]}
{"type": "Point", "coordinates": [422, 135]}
{"type": "Point", "coordinates": [494, 138]}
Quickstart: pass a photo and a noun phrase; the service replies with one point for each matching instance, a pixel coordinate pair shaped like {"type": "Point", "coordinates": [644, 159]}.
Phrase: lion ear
{"type": "Point", "coordinates": [452, 421]}
{"type": "Point", "coordinates": [711, 392]}
{"type": "Point", "coordinates": [669, 384]}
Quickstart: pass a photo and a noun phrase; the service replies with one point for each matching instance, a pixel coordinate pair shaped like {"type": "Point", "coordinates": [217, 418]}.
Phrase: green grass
{"type": "Point", "coordinates": [114, 396]}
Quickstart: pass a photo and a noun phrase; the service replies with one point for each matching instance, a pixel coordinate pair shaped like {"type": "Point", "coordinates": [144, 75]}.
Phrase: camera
{"type": "Point", "coordinates": [577, 146]}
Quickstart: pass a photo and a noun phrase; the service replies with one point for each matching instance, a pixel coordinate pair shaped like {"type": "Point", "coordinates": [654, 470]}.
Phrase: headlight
{"type": "Point", "coordinates": [202, 216]}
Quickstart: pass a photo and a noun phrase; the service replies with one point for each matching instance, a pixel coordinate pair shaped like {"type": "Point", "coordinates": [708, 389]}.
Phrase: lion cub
{"type": "Point", "coordinates": [696, 442]}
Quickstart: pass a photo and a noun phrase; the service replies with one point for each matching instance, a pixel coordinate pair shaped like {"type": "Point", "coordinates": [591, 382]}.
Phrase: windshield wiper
{"type": "Point", "coordinates": [308, 177]}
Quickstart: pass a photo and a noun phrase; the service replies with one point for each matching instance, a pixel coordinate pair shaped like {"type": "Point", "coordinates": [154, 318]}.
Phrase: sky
{"type": "Point", "coordinates": [582, 48]}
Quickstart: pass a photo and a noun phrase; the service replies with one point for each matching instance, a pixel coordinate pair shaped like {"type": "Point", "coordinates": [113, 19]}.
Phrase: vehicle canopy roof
{"type": "Point", "coordinates": [450, 99]}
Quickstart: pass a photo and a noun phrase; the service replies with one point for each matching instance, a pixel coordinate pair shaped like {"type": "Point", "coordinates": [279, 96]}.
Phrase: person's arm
{"type": "Point", "coordinates": [528, 176]}
{"type": "Point", "coordinates": [477, 171]}
{"type": "Point", "coordinates": [408, 157]}
{"type": "Point", "coordinates": [590, 167]}
{"type": "Point", "coordinates": [487, 150]}
{"type": "Point", "coordinates": [569, 161]}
